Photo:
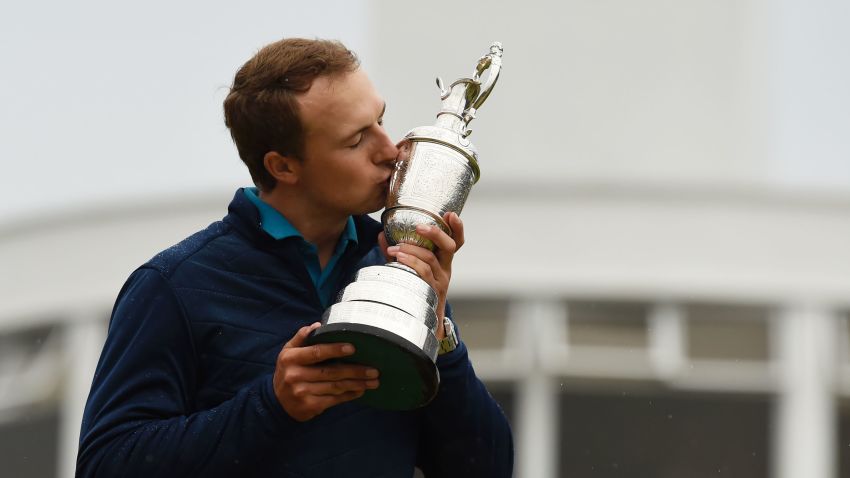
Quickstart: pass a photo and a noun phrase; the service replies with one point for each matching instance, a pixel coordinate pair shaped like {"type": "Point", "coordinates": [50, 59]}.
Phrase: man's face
{"type": "Point", "coordinates": [347, 156]}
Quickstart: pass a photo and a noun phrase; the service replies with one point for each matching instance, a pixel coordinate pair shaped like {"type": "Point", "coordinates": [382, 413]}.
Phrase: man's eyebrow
{"type": "Point", "coordinates": [352, 135]}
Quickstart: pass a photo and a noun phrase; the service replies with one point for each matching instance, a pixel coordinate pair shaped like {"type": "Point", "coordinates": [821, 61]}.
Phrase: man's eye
{"type": "Point", "coordinates": [359, 140]}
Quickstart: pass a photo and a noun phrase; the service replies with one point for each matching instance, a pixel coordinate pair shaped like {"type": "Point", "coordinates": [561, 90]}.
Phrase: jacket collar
{"type": "Point", "coordinates": [245, 218]}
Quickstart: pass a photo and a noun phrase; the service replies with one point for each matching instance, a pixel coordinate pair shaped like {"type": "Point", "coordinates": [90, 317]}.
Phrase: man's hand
{"type": "Point", "coordinates": [305, 387]}
{"type": "Point", "coordinates": [435, 268]}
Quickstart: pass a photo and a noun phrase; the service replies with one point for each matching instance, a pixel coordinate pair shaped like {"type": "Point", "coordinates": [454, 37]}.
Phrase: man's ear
{"type": "Point", "coordinates": [284, 168]}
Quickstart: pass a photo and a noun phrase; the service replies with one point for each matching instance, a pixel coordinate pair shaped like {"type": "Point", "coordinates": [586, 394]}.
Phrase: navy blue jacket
{"type": "Point", "coordinates": [184, 383]}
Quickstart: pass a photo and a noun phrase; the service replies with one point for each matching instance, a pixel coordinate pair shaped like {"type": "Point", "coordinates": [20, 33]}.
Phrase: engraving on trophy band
{"type": "Point", "coordinates": [440, 173]}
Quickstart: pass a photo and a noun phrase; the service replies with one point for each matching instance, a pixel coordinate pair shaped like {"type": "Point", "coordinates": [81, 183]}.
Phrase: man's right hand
{"type": "Point", "coordinates": [306, 387]}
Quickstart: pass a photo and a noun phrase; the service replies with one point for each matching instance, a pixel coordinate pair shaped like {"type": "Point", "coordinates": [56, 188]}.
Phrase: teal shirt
{"type": "Point", "coordinates": [277, 226]}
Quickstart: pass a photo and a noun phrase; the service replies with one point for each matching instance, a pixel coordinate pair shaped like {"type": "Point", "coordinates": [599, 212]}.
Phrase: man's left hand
{"type": "Point", "coordinates": [435, 268]}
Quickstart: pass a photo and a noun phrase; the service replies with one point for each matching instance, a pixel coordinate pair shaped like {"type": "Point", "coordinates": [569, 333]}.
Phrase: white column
{"type": "Point", "coordinates": [804, 440]}
{"type": "Point", "coordinates": [83, 341]}
{"type": "Point", "coordinates": [537, 398]}
{"type": "Point", "coordinates": [667, 339]}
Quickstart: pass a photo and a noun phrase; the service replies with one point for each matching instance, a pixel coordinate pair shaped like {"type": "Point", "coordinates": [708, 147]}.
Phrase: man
{"type": "Point", "coordinates": [205, 371]}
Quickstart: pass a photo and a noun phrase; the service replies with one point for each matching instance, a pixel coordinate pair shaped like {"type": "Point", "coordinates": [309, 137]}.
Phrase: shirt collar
{"type": "Point", "coordinates": [277, 226]}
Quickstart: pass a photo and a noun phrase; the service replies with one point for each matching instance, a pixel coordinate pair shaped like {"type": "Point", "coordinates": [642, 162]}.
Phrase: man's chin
{"type": "Point", "coordinates": [371, 209]}
{"type": "Point", "coordinates": [375, 209]}
{"type": "Point", "coordinates": [381, 203]}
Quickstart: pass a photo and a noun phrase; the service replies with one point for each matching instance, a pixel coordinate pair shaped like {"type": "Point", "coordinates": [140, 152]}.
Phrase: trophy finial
{"type": "Point", "coordinates": [493, 62]}
{"type": "Point", "coordinates": [463, 98]}
{"type": "Point", "coordinates": [487, 60]}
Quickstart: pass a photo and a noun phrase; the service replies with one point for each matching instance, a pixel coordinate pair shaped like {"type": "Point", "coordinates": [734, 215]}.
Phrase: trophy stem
{"type": "Point", "coordinates": [399, 265]}
{"type": "Point", "coordinates": [450, 121]}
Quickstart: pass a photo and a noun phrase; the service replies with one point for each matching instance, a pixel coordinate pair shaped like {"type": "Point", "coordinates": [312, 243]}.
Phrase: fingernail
{"type": "Point", "coordinates": [372, 373]}
{"type": "Point", "coordinates": [423, 228]}
{"type": "Point", "coordinates": [393, 249]}
{"type": "Point", "coordinates": [348, 349]}
{"type": "Point", "coordinates": [401, 256]}
{"type": "Point", "coordinates": [372, 383]}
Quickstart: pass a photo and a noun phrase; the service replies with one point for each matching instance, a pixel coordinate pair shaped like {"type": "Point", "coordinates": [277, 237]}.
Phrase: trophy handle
{"type": "Point", "coordinates": [493, 62]}
{"type": "Point", "coordinates": [444, 92]}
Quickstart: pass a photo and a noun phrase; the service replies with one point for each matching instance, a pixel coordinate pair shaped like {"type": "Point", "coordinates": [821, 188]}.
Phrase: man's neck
{"type": "Point", "coordinates": [318, 227]}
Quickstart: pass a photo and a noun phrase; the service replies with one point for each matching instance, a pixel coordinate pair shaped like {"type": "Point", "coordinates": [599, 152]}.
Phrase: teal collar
{"type": "Point", "coordinates": [277, 226]}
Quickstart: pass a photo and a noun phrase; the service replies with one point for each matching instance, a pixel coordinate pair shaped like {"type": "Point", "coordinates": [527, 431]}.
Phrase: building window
{"type": "Point", "coordinates": [29, 444]}
{"type": "Point", "coordinates": [665, 436]}
{"type": "Point", "coordinates": [607, 324]}
{"type": "Point", "coordinates": [482, 322]}
{"type": "Point", "coordinates": [727, 332]}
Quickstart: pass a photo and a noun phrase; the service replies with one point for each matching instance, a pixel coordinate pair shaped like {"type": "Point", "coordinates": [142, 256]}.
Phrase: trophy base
{"type": "Point", "coordinates": [409, 378]}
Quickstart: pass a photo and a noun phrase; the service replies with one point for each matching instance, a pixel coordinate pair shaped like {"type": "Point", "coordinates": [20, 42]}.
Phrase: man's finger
{"type": "Point", "coordinates": [443, 241]}
{"type": "Point", "coordinates": [298, 339]}
{"type": "Point", "coordinates": [340, 387]}
{"type": "Point", "coordinates": [382, 241]}
{"type": "Point", "coordinates": [337, 371]}
{"type": "Point", "coordinates": [454, 222]}
{"type": "Point", "coordinates": [314, 354]}
{"type": "Point", "coordinates": [422, 268]}
{"type": "Point", "coordinates": [407, 253]}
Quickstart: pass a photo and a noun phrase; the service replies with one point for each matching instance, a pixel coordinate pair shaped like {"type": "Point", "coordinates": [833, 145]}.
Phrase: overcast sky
{"type": "Point", "coordinates": [104, 100]}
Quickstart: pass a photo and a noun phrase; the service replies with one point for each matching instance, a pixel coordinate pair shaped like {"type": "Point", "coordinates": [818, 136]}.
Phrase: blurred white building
{"type": "Point", "coordinates": [656, 280]}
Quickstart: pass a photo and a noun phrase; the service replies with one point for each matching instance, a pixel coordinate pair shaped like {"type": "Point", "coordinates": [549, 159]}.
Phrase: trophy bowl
{"type": "Point", "coordinates": [424, 190]}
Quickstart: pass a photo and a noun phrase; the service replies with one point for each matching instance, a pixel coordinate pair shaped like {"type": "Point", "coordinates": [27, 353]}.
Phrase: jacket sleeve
{"type": "Point", "coordinates": [464, 431]}
{"type": "Point", "coordinates": [140, 418]}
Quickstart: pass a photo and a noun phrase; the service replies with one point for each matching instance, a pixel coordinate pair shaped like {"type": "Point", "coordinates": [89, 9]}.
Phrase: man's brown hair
{"type": "Point", "coordinates": [261, 109]}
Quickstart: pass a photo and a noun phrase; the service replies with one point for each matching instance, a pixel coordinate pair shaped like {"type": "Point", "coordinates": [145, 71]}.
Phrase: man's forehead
{"type": "Point", "coordinates": [332, 102]}
{"type": "Point", "coordinates": [318, 97]}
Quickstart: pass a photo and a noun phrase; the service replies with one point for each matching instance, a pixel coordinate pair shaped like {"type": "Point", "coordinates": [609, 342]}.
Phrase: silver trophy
{"type": "Point", "coordinates": [388, 313]}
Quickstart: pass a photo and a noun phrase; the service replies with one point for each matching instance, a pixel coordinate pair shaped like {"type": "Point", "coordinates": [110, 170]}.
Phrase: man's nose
{"type": "Point", "coordinates": [388, 150]}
